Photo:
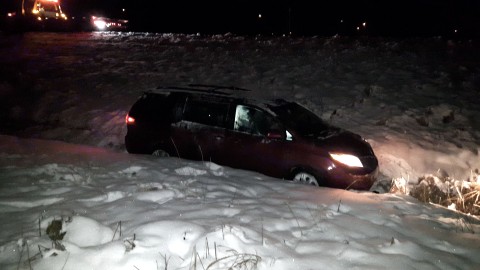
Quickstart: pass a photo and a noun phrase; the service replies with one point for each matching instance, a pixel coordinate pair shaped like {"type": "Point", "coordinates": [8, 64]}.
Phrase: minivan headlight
{"type": "Point", "coordinates": [349, 160]}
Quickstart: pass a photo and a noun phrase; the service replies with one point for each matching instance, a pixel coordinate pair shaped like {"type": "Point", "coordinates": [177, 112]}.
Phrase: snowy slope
{"type": "Point", "coordinates": [414, 100]}
{"type": "Point", "coordinates": [121, 211]}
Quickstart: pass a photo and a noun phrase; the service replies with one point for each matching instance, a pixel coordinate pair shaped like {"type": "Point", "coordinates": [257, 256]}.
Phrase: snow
{"type": "Point", "coordinates": [64, 97]}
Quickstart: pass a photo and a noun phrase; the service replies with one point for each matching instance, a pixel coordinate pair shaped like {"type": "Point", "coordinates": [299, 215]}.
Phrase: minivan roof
{"type": "Point", "coordinates": [231, 93]}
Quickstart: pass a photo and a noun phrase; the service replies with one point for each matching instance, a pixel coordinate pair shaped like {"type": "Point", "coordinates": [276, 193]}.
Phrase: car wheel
{"type": "Point", "coordinates": [160, 153]}
{"type": "Point", "coordinates": [305, 178]}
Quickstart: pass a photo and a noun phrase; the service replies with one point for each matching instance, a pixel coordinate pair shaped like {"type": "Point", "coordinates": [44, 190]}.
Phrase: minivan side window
{"type": "Point", "coordinates": [207, 113]}
{"type": "Point", "coordinates": [254, 121]}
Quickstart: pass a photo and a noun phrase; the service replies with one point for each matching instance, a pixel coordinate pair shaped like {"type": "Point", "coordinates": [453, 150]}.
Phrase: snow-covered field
{"type": "Point", "coordinates": [64, 98]}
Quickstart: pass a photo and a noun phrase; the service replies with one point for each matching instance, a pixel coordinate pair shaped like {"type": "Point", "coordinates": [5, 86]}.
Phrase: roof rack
{"type": "Point", "coordinates": [216, 87]}
{"type": "Point", "coordinates": [203, 88]}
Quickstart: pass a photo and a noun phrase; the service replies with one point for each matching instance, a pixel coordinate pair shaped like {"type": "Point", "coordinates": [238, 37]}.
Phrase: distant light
{"type": "Point", "coordinates": [341, 21]}
{"type": "Point", "coordinates": [358, 28]}
{"type": "Point", "coordinates": [123, 9]}
{"type": "Point", "coordinates": [259, 16]}
{"type": "Point", "coordinates": [364, 24]}
{"type": "Point", "coordinates": [456, 31]}
{"type": "Point", "coordinates": [100, 24]}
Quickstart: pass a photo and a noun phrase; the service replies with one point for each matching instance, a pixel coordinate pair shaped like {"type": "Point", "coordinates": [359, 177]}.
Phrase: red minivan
{"type": "Point", "coordinates": [278, 138]}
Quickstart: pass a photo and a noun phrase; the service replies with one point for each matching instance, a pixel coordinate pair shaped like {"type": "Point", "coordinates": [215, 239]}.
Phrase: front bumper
{"type": "Point", "coordinates": [340, 178]}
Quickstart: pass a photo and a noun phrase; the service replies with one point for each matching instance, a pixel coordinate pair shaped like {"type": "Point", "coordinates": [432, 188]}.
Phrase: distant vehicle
{"type": "Point", "coordinates": [37, 15]}
{"type": "Point", "coordinates": [277, 138]}
{"type": "Point", "coordinates": [108, 24]}
{"type": "Point", "coordinates": [48, 9]}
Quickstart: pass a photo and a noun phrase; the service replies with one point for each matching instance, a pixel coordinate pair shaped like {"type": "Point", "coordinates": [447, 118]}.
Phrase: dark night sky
{"type": "Point", "coordinates": [406, 17]}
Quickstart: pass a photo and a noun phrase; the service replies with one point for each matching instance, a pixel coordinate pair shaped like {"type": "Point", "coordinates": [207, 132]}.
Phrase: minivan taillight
{"type": "Point", "coordinates": [129, 120]}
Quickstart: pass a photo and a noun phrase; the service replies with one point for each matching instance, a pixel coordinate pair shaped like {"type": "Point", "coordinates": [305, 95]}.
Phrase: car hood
{"type": "Point", "coordinates": [342, 141]}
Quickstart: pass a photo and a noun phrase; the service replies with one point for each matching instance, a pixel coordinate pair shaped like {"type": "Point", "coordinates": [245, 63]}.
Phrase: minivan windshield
{"type": "Point", "coordinates": [303, 121]}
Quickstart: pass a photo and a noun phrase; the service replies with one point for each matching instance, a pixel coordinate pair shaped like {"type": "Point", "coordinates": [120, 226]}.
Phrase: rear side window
{"type": "Point", "coordinates": [206, 112]}
{"type": "Point", "coordinates": [158, 109]}
{"type": "Point", "coordinates": [151, 108]}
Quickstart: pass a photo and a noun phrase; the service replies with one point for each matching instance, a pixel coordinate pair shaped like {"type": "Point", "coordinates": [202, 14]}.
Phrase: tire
{"type": "Point", "coordinates": [305, 178]}
{"type": "Point", "coordinates": [160, 153]}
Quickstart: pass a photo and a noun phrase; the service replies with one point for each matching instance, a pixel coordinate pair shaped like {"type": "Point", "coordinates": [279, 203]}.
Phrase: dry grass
{"type": "Point", "coordinates": [463, 196]}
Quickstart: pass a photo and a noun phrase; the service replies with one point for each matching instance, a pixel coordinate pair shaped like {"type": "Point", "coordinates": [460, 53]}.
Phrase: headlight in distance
{"type": "Point", "coordinates": [100, 24]}
{"type": "Point", "coordinates": [349, 160]}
